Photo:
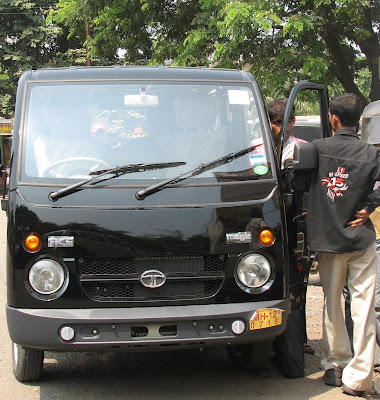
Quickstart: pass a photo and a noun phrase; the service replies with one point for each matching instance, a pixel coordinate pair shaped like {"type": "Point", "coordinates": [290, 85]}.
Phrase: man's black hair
{"type": "Point", "coordinates": [347, 107]}
{"type": "Point", "coordinates": [276, 108]}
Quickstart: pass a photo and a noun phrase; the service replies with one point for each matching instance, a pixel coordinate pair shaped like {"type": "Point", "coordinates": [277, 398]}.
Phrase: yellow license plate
{"type": "Point", "coordinates": [265, 318]}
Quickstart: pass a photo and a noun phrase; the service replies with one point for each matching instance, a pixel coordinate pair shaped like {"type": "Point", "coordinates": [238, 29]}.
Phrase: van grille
{"type": "Point", "coordinates": [118, 279]}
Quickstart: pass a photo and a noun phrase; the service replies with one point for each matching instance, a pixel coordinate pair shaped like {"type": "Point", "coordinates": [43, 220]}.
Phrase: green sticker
{"type": "Point", "coordinates": [260, 169]}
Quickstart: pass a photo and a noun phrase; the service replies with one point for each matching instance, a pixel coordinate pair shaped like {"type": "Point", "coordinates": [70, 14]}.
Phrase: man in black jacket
{"type": "Point", "coordinates": [340, 201]}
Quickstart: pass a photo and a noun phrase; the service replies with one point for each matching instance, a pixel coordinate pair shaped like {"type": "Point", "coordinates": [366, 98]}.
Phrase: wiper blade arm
{"type": "Point", "coordinates": [116, 171]}
{"type": "Point", "coordinates": [126, 169]}
{"type": "Point", "coordinates": [141, 194]}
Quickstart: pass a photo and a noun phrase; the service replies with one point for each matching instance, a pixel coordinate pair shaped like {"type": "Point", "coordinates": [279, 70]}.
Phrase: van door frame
{"type": "Point", "coordinates": [323, 107]}
{"type": "Point", "coordinates": [307, 257]}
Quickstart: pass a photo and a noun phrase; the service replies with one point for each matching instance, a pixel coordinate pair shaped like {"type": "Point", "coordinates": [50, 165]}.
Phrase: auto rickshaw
{"type": "Point", "coordinates": [371, 123]}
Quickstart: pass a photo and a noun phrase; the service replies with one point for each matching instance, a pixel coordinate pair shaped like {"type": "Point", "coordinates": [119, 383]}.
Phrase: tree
{"type": "Point", "coordinates": [170, 22]}
{"type": "Point", "coordinates": [282, 41]}
{"type": "Point", "coordinates": [25, 42]}
{"type": "Point", "coordinates": [29, 40]}
{"type": "Point", "coordinates": [111, 26]}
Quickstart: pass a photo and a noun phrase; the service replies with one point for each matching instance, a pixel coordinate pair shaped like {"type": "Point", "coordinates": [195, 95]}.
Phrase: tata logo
{"type": "Point", "coordinates": [152, 278]}
{"type": "Point", "coordinates": [61, 241]}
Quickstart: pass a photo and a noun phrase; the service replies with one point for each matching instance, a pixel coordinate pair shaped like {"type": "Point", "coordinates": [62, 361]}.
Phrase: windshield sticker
{"type": "Point", "coordinates": [256, 159]}
{"type": "Point", "coordinates": [260, 170]}
{"type": "Point", "coordinates": [238, 97]}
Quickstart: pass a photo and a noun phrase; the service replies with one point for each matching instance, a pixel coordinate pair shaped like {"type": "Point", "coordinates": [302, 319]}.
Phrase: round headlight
{"type": "Point", "coordinates": [253, 270]}
{"type": "Point", "coordinates": [46, 276]}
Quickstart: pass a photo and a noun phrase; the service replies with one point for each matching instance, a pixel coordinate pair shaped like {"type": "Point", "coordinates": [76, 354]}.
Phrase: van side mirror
{"type": "Point", "coordinates": [298, 169]}
{"type": "Point", "coordinates": [305, 158]}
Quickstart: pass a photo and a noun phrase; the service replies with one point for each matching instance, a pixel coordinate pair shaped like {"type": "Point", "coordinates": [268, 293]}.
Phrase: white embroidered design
{"type": "Point", "coordinates": [335, 183]}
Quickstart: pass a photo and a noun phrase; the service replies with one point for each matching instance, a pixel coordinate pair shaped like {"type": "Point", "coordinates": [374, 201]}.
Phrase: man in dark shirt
{"type": "Point", "coordinates": [340, 201]}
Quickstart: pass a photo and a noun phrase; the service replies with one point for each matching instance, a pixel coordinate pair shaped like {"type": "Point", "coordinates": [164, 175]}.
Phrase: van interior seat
{"type": "Point", "coordinates": [197, 122]}
{"type": "Point", "coordinates": [193, 113]}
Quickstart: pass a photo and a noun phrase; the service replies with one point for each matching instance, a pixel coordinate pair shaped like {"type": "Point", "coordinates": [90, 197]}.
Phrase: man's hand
{"type": "Point", "coordinates": [361, 216]}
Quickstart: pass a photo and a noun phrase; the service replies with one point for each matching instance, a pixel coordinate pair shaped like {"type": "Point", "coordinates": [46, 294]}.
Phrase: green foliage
{"type": "Point", "coordinates": [335, 42]}
{"type": "Point", "coordinates": [111, 25]}
{"type": "Point", "coordinates": [30, 38]}
{"type": "Point", "coordinates": [282, 41]}
{"type": "Point", "coordinates": [25, 43]}
{"type": "Point", "coordinates": [78, 58]}
{"type": "Point", "coordinates": [170, 22]}
{"type": "Point", "coordinates": [364, 81]}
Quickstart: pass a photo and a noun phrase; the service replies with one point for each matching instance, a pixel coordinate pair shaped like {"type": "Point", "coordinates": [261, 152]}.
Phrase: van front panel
{"type": "Point", "coordinates": [202, 249]}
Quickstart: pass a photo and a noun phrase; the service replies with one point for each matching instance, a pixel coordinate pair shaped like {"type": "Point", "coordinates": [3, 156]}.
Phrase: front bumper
{"type": "Point", "coordinates": [136, 329]}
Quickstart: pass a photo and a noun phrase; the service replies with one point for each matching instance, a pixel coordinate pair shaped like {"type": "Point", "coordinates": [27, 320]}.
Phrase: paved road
{"type": "Point", "coordinates": [185, 375]}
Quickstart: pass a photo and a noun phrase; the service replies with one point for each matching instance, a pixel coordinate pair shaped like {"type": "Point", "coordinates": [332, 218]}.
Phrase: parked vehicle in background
{"type": "Point", "coordinates": [370, 131]}
{"type": "Point", "coordinates": [308, 127]}
{"type": "Point", "coordinates": [6, 126]}
{"type": "Point", "coordinates": [143, 216]}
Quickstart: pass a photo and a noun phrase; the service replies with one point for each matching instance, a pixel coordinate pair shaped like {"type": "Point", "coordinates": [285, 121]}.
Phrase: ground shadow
{"type": "Point", "coordinates": [188, 374]}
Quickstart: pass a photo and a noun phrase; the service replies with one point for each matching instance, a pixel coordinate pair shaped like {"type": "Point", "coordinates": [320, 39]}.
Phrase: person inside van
{"type": "Point", "coordinates": [276, 111]}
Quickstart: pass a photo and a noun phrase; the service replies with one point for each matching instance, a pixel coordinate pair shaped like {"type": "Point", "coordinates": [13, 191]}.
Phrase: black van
{"type": "Point", "coordinates": [147, 211]}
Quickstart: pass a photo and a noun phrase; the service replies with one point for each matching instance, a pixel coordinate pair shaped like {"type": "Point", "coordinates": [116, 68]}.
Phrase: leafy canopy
{"type": "Point", "coordinates": [335, 42]}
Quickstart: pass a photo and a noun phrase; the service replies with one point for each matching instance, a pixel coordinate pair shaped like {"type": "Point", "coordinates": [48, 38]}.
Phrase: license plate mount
{"type": "Point", "coordinates": [265, 318]}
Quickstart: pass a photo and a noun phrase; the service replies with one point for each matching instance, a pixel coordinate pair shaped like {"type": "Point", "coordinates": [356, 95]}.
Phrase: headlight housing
{"type": "Point", "coordinates": [253, 271]}
{"type": "Point", "coordinates": [48, 277]}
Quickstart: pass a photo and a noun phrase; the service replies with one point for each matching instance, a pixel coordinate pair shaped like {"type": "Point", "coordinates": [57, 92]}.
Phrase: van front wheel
{"type": "Point", "coordinates": [27, 363]}
{"type": "Point", "coordinates": [251, 356]}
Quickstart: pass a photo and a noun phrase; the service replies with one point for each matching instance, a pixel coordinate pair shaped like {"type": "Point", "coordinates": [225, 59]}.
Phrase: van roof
{"type": "Point", "coordinates": [137, 72]}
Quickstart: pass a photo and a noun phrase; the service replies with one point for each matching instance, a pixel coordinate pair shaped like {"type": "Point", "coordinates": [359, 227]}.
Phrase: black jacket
{"type": "Point", "coordinates": [343, 184]}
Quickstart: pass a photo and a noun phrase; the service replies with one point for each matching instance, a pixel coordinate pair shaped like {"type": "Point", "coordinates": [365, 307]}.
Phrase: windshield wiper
{"type": "Point", "coordinates": [141, 194]}
{"type": "Point", "coordinates": [115, 172]}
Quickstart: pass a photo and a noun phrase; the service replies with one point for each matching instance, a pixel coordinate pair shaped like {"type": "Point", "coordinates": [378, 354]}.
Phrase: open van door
{"type": "Point", "coordinates": [294, 190]}
{"type": "Point", "coordinates": [290, 344]}
{"type": "Point", "coordinates": [321, 90]}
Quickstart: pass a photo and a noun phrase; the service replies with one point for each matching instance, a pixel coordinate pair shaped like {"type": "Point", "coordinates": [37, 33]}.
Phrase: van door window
{"type": "Point", "coordinates": [308, 124]}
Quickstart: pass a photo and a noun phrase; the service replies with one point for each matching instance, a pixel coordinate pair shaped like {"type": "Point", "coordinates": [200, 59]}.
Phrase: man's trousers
{"type": "Point", "coordinates": [359, 269]}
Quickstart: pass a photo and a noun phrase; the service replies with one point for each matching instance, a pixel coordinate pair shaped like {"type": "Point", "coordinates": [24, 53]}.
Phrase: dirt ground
{"type": "Point", "coordinates": [314, 309]}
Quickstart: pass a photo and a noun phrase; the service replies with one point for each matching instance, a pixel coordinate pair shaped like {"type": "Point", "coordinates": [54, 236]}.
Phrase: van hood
{"type": "Point", "coordinates": [111, 221]}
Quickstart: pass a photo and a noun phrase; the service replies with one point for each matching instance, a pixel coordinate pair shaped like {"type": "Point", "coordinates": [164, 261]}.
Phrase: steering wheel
{"type": "Point", "coordinates": [72, 169]}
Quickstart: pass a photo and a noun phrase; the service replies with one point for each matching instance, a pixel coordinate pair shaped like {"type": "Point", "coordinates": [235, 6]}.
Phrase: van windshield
{"type": "Point", "coordinates": [73, 129]}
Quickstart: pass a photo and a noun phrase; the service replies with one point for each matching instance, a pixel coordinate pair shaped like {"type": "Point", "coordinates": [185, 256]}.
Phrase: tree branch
{"type": "Point", "coordinates": [343, 72]}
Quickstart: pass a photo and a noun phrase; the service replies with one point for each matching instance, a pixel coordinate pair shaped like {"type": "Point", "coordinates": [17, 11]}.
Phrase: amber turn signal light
{"type": "Point", "coordinates": [32, 243]}
{"type": "Point", "coordinates": [266, 237]}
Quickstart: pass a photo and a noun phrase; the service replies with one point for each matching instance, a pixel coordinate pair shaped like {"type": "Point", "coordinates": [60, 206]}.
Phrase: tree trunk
{"type": "Point", "coordinates": [370, 46]}
{"type": "Point", "coordinates": [343, 72]}
{"type": "Point", "coordinates": [88, 61]}
{"type": "Point", "coordinates": [375, 84]}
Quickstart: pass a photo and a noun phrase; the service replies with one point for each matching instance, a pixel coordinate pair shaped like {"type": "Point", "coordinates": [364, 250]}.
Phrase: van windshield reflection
{"type": "Point", "coordinates": [73, 129]}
